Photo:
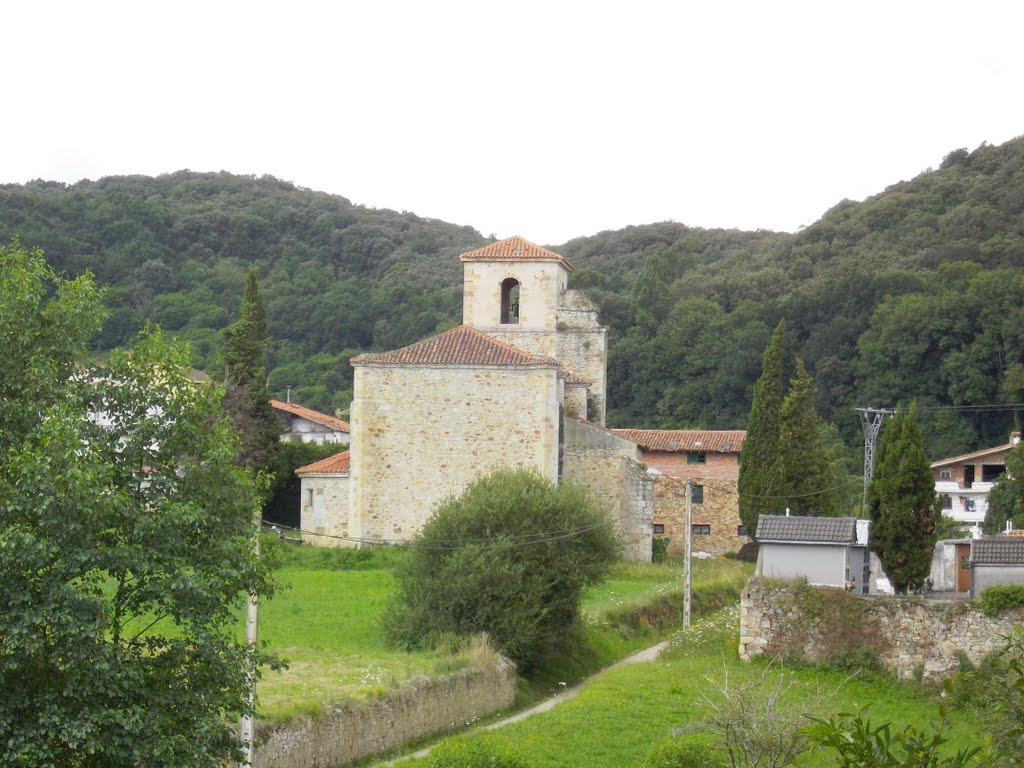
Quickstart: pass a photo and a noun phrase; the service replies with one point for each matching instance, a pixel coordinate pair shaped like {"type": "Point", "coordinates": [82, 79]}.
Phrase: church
{"type": "Point", "coordinates": [521, 383]}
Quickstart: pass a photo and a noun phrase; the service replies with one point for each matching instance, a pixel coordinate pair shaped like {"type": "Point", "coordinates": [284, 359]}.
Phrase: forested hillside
{"type": "Point", "coordinates": [914, 293]}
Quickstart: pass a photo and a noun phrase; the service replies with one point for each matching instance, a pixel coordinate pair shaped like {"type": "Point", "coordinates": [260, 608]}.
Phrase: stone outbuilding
{"type": "Point", "coordinates": [324, 489]}
{"type": "Point", "coordinates": [710, 458]}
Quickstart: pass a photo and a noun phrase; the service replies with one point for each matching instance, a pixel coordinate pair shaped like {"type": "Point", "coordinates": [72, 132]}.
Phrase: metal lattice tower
{"type": "Point", "coordinates": [871, 419]}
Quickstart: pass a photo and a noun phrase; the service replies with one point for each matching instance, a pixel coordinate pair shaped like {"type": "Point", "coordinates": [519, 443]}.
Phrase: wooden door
{"type": "Point", "coordinates": [963, 567]}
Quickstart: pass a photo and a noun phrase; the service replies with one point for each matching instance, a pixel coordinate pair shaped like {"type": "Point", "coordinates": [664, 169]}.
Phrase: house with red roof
{"type": "Point", "coordinates": [521, 383]}
{"type": "Point", "coordinates": [309, 426]}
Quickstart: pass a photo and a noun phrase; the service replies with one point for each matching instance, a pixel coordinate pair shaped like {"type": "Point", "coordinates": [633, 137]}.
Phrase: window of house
{"type": "Point", "coordinates": [659, 529]}
{"type": "Point", "coordinates": [947, 501]}
{"type": "Point", "coordinates": [697, 494]}
{"type": "Point", "coordinates": [509, 301]}
{"type": "Point", "coordinates": [696, 458]}
{"type": "Point", "coordinates": [741, 530]}
{"type": "Point", "coordinates": [945, 474]}
{"type": "Point", "coordinates": [701, 529]}
{"type": "Point", "coordinates": [309, 497]}
{"type": "Point", "coordinates": [991, 472]}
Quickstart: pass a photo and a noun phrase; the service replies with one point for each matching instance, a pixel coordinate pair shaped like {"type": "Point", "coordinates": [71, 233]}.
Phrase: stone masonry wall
{"type": "Point", "coordinates": [324, 511]}
{"type": "Point", "coordinates": [719, 510]}
{"type": "Point", "coordinates": [358, 729]}
{"type": "Point", "coordinates": [421, 434]}
{"type": "Point", "coordinates": [609, 467]}
{"type": "Point", "coordinates": [913, 636]}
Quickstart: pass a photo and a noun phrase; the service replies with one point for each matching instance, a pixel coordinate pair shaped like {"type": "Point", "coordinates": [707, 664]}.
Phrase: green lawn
{"type": "Point", "coordinates": [622, 714]}
{"type": "Point", "coordinates": [326, 624]}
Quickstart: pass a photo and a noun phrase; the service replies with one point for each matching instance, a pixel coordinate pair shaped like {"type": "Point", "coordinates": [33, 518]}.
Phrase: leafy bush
{"type": "Point", "coordinates": [659, 550]}
{"type": "Point", "coordinates": [995, 600]}
{"type": "Point", "coordinates": [510, 557]}
{"type": "Point", "coordinates": [462, 753]}
{"type": "Point", "coordinates": [691, 751]}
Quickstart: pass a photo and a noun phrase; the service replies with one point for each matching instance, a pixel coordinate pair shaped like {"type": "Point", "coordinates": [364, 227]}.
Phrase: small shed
{"type": "Point", "coordinates": [825, 550]}
{"type": "Point", "coordinates": [996, 560]}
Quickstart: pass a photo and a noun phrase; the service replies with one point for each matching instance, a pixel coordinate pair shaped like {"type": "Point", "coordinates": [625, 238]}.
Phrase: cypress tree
{"type": "Point", "coordinates": [902, 503]}
{"type": "Point", "coordinates": [246, 399]}
{"type": "Point", "coordinates": [806, 471]}
{"type": "Point", "coordinates": [760, 480]}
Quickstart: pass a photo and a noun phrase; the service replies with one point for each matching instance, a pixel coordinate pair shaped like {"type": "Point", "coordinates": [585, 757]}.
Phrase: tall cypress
{"type": "Point", "coordinates": [246, 399]}
{"type": "Point", "coordinates": [760, 480]}
{"type": "Point", "coordinates": [902, 503]}
{"type": "Point", "coordinates": [806, 471]}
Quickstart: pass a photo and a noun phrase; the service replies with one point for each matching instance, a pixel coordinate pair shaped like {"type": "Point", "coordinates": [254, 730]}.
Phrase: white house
{"type": "Point", "coordinates": [963, 483]}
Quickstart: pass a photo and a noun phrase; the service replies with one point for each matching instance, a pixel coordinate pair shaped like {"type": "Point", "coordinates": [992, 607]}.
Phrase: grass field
{"type": "Point", "coordinates": [326, 624]}
{"type": "Point", "coordinates": [622, 714]}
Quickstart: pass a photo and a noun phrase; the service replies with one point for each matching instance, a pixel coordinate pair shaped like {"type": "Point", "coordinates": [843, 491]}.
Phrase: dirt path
{"type": "Point", "coordinates": [570, 693]}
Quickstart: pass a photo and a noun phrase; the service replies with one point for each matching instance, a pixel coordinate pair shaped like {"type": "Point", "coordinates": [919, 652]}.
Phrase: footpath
{"type": "Point", "coordinates": [570, 693]}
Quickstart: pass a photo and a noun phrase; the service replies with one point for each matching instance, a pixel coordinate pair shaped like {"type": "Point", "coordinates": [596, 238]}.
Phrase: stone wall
{"type": "Point", "coordinates": [913, 636]}
{"type": "Point", "coordinates": [324, 510]}
{"type": "Point", "coordinates": [423, 433]}
{"type": "Point", "coordinates": [358, 729]}
{"type": "Point", "coordinates": [609, 467]}
{"type": "Point", "coordinates": [719, 511]}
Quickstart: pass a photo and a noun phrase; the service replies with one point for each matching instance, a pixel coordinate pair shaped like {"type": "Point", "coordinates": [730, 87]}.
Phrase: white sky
{"type": "Point", "coordinates": [546, 119]}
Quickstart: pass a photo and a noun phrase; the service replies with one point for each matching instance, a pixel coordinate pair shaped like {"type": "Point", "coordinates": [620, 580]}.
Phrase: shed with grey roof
{"type": "Point", "coordinates": [825, 550]}
{"type": "Point", "coordinates": [996, 560]}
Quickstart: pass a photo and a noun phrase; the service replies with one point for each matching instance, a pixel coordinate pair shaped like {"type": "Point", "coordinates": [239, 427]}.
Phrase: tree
{"type": "Point", "coordinates": [760, 478]}
{"type": "Point", "coordinates": [125, 543]}
{"type": "Point", "coordinates": [1006, 499]}
{"type": "Point", "coordinates": [902, 503]}
{"type": "Point", "coordinates": [246, 399]}
{"type": "Point", "coordinates": [807, 476]}
{"type": "Point", "coordinates": [509, 557]}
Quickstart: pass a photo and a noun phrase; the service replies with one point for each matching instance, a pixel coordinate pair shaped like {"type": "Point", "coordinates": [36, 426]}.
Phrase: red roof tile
{"type": "Point", "coordinates": [686, 440]}
{"type": "Point", "coordinates": [310, 415]}
{"type": "Point", "coordinates": [338, 464]}
{"type": "Point", "coordinates": [975, 455]}
{"type": "Point", "coordinates": [459, 346]}
{"type": "Point", "coordinates": [514, 249]}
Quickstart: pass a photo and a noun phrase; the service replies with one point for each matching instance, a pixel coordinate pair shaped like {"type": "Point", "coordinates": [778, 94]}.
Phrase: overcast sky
{"type": "Point", "coordinates": [550, 119]}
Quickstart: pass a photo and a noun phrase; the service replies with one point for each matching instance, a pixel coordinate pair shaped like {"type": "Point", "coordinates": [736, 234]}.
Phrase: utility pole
{"type": "Point", "coordinates": [871, 419]}
{"type": "Point", "coordinates": [687, 573]}
{"type": "Point", "coordinates": [252, 620]}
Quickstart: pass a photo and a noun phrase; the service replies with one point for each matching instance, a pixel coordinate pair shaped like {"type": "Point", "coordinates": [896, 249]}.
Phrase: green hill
{"type": "Point", "coordinates": [913, 293]}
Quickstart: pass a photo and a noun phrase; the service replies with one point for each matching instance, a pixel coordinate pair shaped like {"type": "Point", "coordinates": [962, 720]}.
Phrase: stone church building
{"type": "Point", "coordinates": [521, 383]}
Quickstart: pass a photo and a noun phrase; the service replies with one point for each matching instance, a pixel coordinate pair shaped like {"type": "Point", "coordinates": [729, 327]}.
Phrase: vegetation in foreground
{"type": "Point", "coordinates": [326, 623]}
{"type": "Point", "coordinates": [672, 714]}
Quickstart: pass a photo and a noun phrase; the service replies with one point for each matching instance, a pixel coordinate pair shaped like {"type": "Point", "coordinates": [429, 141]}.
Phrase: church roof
{"type": "Point", "coordinates": [459, 346]}
{"type": "Point", "coordinates": [336, 464]}
{"type": "Point", "coordinates": [514, 249]}
{"type": "Point", "coordinates": [686, 440]}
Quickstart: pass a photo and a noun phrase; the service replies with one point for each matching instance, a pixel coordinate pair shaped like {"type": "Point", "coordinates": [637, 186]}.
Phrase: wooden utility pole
{"type": "Point", "coordinates": [252, 622]}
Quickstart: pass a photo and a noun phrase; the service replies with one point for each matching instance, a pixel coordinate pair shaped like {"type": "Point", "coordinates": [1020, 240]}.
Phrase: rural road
{"type": "Point", "coordinates": [647, 654]}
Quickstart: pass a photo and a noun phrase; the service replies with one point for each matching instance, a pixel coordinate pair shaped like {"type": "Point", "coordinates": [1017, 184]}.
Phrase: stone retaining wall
{"type": "Point", "coordinates": [356, 729]}
{"type": "Point", "coordinates": [914, 636]}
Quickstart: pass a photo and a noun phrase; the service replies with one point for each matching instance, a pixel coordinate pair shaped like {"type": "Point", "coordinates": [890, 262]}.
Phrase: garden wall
{"type": "Point", "coordinates": [913, 636]}
{"type": "Point", "coordinates": [356, 729]}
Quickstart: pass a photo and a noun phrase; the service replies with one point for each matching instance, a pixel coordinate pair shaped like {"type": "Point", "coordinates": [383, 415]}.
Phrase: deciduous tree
{"type": "Point", "coordinates": [125, 543]}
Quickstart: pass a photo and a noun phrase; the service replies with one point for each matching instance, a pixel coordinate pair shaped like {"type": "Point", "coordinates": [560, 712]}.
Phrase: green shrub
{"type": "Point", "coordinates": [510, 557]}
{"type": "Point", "coordinates": [659, 550]}
{"type": "Point", "coordinates": [462, 753]}
{"type": "Point", "coordinates": [995, 600]}
{"type": "Point", "coordinates": [692, 751]}
{"type": "Point", "coordinates": [856, 660]}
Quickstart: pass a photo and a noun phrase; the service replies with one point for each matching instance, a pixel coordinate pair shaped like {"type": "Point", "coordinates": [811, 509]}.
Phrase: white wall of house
{"type": "Point", "coordinates": [823, 565]}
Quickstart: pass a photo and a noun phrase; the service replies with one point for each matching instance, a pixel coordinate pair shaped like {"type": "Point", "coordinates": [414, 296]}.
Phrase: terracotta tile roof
{"type": "Point", "coordinates": [823, 530]}
{"type": "Point", "coordinates": [336, 464]}
{"type": "Point", "coordinates": [514, 249]}
{"type": "Point", "coordinates": [459, 346]}
{"type": "Point", "coordinates": [310, 415]}
{"type": "Point", "coordinates": [574, 379]}
{"type": "Point", "coordinates": [998, 550]}
{"type": "Point", "coordinates": [686, 440]}
{"type": "Point", "coordinates": [974, 455]}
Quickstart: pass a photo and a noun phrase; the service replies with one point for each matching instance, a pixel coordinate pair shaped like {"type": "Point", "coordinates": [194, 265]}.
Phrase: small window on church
{"type": "Point", "coordinates": [509, 301]}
